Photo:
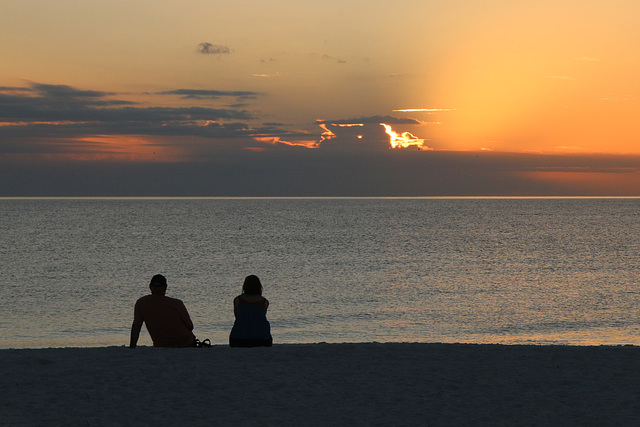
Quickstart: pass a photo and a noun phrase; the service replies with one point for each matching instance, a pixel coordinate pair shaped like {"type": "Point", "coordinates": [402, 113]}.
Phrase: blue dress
{"type": "Point", "coordinates": [251, 327]}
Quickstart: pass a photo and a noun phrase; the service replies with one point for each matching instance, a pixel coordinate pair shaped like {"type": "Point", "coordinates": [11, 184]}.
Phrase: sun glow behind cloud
{"type": "Point", "coordinates": [326, 133]}
{"type": "Point", "coordinates": [396, 140]}
{"type": "Point", "coordinates": [404, 139]}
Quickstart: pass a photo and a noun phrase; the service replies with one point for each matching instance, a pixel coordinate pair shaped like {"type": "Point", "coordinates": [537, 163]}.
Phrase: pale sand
{"type": "Point", "coordinates": [323, 384]}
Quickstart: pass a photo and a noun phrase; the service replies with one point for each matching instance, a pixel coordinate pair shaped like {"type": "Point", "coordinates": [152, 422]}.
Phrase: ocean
{"type": "Point", "coordinates": [469, 270]}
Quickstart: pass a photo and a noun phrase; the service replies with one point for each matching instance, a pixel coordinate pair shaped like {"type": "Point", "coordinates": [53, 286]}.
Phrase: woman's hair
{"type": "Point", "coordinates": [252, 285]}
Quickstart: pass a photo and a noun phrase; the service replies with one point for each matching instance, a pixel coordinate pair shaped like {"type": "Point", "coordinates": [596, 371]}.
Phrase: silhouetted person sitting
{"type": "Point", "coordinates": [167, 319]}
{"type": "Point", "coordinates": [251, 327]}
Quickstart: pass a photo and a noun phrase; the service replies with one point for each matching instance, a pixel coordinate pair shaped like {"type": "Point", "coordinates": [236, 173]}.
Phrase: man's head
{"type": "Point", "coordinates": [158, 284]}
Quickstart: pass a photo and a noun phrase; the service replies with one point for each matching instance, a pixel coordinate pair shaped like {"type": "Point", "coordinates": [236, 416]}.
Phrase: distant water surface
{"type": "Point", "coordinates": [539, 271]}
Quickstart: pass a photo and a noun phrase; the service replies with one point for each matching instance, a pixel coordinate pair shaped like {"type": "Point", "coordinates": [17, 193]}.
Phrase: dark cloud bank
{"type": "Point", "coordinates": [302, 172]}
{"type": "Point", "coordinates": [50, 110]}
{"type": "Point", "coordinates": [224, 159]}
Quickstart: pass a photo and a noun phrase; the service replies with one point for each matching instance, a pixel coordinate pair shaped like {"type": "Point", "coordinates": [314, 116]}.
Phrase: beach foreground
{"type": "Point", "coordinates": [322, 384]}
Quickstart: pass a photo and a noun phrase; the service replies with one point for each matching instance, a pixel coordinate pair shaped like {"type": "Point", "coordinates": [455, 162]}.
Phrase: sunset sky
{"type": "Point", "coordinates": [332, 98]}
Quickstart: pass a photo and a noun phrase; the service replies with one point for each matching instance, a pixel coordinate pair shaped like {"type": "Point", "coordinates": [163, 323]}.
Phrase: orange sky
{"type": "Point", "coordinates": [546, 77]}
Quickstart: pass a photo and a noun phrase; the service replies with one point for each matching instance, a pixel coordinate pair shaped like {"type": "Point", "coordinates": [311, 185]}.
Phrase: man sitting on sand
{"type": "Point", "coordinates": [167, 319]}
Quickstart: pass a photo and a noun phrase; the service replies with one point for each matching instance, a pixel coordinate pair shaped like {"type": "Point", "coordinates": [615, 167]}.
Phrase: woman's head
{"type": "Point", "coordinates": [252, 285]}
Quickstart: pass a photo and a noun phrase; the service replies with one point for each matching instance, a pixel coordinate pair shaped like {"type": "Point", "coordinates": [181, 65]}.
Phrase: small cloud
{"type": "Point", "coordinates": [267, 76]}
{"type": "Point", "coordinates": [212, 49]}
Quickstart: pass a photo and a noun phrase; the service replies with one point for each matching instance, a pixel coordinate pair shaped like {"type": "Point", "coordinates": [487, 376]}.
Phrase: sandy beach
{"type": "Point", "coordinates": [323, 384]}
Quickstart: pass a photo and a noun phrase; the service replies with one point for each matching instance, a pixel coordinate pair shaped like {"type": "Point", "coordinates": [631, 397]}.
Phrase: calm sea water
{"type": "Point", "coordinates": [561, 271]}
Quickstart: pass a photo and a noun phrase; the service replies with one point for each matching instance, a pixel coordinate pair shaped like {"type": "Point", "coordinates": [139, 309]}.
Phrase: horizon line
{"type": "Point", "coordinates": [301, 197]}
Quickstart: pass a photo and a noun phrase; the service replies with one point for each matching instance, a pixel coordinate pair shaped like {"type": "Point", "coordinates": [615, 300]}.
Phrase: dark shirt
{"type": "Point", "coordinates": [251, 320]}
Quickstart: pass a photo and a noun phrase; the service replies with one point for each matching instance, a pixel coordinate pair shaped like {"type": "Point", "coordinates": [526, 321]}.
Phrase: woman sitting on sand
{"type": "Point", "coordinates": [251, 327]}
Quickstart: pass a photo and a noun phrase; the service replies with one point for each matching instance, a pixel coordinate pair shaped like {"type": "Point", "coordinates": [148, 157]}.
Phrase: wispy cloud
{"type": "Point", "coordinates": [333, 59]}
{"type": "Point", "coordinates": [376, 120]}
{"type": "Point", "coordinates": [58, 96]}
{"type": "Point", "coordinates": [267, 75]}
{"type": "Point", "coordinates": [9, 89]}
{"type": "Point", "coordinates": [424, 110]}
{"type": "Point", "coordinates": [58, 110]}
{"type": "Point", "coordinates": [212, 49]}
{"type": "Point", "coordinates": [294, 143]}
{"type": "Point", "coordinates": [67, 92]}
{"type": "Point", "coordinates": [210, 94]}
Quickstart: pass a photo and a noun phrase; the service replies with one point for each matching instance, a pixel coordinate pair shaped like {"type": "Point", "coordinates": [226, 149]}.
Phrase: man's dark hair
{"type": "Point", "coordinates": [158, 281]}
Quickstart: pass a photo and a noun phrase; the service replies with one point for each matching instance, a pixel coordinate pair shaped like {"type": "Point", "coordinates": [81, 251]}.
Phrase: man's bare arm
{"type": "Point", "coordinates": [135, 334]}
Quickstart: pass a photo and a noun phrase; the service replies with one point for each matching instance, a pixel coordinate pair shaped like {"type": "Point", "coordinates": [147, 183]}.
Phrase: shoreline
{"type": "Point", "coordinates": [325, 343]}
{"type": "Point", "coordinates": [323, 384]}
